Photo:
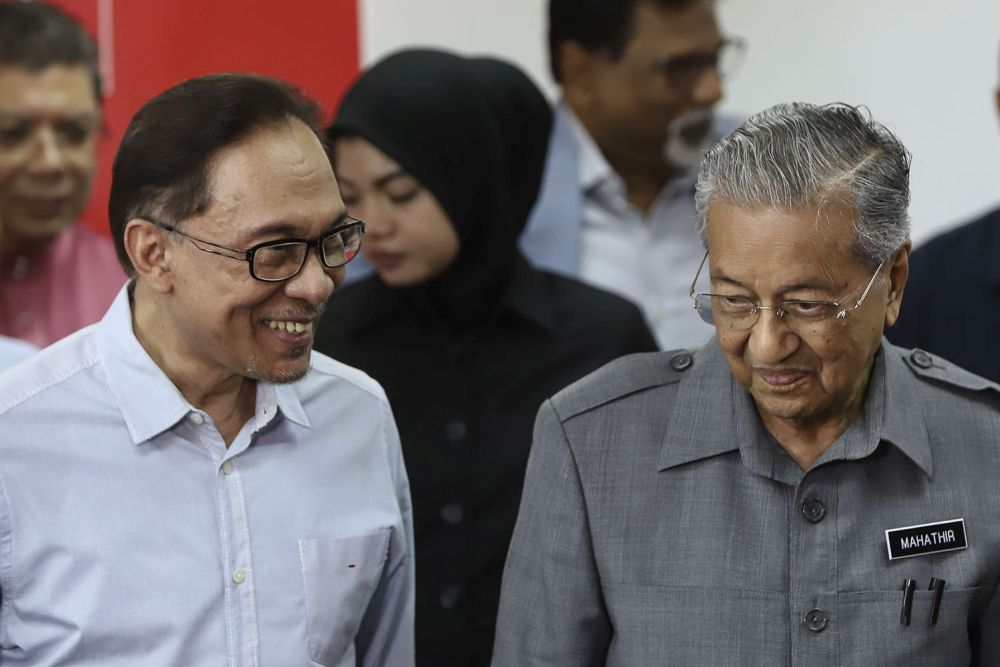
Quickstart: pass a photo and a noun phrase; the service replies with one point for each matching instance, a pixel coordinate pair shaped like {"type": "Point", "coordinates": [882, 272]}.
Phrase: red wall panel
{"type": "Point", "coordinates": [149, 45]}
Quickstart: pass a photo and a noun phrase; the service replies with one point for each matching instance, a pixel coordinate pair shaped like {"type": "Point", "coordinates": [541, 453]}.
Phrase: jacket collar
{"type": "Point", "coordinates": [905, 424]}
{"type": "Point", "coordinates": [704, 423]}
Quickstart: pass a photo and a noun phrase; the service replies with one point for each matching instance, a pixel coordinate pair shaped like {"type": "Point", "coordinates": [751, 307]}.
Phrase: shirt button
{"type": "Point", "coordinates": [814, 510]}
{"type": "Point", "coordinates": [453, 513]}
{"type": "Point", "coordinates": [20, 267]}
{"type": "Point", "coordinates": [815, 620]}
{"type": "Point", "coordinates": [922, 359]}
{"type": "Point", "coordinates": [455, 430]}
{"type": "Point", "coordinates": [196, 418]}
{"type": "Point", "coordinates": [450, 597]}
{"type": "Point", "coordinates": [227, 468]}
{"type": "Point", "coordinates": [681, 361]}
{"type": "Point", "coordinates": [239, 576]}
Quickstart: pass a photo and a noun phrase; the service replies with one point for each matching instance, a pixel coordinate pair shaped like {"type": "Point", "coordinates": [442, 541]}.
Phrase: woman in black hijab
{"type": "Point", "coordinates": [443, 156]}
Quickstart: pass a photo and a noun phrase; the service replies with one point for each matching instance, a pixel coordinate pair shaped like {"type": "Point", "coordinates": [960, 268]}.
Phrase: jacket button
{"type": "Point", "coordinates": [681, 361]}
{"type": "Point", "coordinates": [815, 620]}
{"type": "Point", "coordinates": [814, 510]}
{"type": "Point", "coordinates": [450, 597]}
{"type": "Point", "coordinates": [455, 431]}
{"type": "Point", "coordinates": [922, 359]}
{"type": "Point", "coordinates": [453, 513]}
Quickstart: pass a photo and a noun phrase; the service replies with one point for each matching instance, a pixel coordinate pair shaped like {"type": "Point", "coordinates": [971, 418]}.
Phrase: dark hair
{"type": "Point", "coordinates": [35, 35]}
{"type": "Point", "coordinates": [596, 25]}
{"type": "Point", "coordinates": [162, 167]}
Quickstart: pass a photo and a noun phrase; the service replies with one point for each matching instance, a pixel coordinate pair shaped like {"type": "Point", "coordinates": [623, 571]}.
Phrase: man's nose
{"type": "Point", "coordinates": [771, 339]}
{"type": "Point", "coordinates": [314, 283]}
{"type": "Point", "coordinates": [48, 155]}
{"type": "Point", "coordinates": [708, 88]}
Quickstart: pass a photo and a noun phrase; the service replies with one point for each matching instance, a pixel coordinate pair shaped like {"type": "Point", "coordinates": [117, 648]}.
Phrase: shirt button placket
{"type": "Point", "coordinates": [811, 576]}
{"type": "Point", "coordinates": [241, 594]}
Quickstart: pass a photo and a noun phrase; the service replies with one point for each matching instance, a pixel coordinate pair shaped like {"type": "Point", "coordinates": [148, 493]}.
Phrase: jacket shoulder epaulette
{"type": "Point", "coordinates": [932, 367]}
{"type": "Point", "coordinates": [619, 378]}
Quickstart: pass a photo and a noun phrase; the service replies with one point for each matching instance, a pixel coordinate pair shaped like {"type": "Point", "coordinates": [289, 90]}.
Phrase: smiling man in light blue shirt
{"type": "Point", "coordinates": [185, 482]}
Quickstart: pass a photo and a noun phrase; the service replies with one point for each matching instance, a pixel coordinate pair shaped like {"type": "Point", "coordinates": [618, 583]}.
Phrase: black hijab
{"type": "Point", "coordinates": [474, 132]}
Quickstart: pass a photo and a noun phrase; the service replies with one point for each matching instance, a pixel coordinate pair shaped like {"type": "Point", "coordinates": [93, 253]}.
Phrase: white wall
{"type": "Point", "coordinates": [926, 68]}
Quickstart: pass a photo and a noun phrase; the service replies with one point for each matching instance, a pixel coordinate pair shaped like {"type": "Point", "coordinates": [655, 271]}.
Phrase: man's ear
{"type": "Point", "coordinates": [577, 67]}
{"type": "Point", "coordinates": [899, 271]}
{"type": "Point", "coordinates": [148, 249]}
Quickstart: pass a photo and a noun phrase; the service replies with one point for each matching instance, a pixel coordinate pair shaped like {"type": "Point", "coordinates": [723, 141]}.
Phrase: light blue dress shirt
{"type": "Point", "coordinates": [583, 226]}
{"type": "Point", "coordinates": [130, 534]}
{"type": "Point", "coordinates": [13, 351]}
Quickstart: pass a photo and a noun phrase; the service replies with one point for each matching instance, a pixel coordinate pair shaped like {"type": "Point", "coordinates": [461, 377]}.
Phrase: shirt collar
{"type": "Point", "coordinates": [288, 401]}
{"type": "Point", "coordinates": [150, 403]}
{"type": "Point", "coordinates": [594, 169]}
{"type": "Point", "coordinates": [904, 424]}
{"type": "Point", "coordinates": [700, 427]}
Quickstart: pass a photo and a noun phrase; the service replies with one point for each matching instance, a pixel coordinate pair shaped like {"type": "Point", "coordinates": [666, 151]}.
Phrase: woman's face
{"type": "Point", "coordinates": [408, 238]}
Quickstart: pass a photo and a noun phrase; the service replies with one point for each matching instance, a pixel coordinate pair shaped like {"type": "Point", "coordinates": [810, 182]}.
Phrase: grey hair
{"type": "Point", "coordinates": [798, 155]}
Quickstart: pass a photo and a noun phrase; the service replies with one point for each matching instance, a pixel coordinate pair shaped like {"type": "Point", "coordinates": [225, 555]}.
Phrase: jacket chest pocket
{"type": "Point", "coordinates": [873, 633]}
{"type": "Point", "coordinates": [339, 576]}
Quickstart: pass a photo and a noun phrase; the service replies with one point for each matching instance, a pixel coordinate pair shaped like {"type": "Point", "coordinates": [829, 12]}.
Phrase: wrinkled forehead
{"type": "Point", "coordinates": [278, 179]}
{"type": "Point", "coordinates": [826, 225]}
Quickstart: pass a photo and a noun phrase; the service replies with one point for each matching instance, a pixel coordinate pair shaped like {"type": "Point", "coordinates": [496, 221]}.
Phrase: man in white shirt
{"type": "Point", "coordinates": [640, 79]}
{"type": "Point", "coordinates": [185, 482]}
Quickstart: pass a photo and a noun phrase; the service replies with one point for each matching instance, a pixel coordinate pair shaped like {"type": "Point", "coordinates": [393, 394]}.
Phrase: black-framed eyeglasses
{"type": "Point", "coordinates": [685, 70]}
{"type": "Point", "coordinates": [738, 313]}
{"type": "Point", "coordinates": [283, 259]}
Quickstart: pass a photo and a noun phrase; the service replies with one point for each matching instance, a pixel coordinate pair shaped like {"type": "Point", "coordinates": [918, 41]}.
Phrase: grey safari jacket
{"type": "Point", "coordinates": [662, 525]}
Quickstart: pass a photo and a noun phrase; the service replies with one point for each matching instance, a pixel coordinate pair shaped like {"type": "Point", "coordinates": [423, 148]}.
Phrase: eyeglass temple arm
{"type": "Point", "coordinates": [870, 283]}
{"type": "Point", "coordinates": [697, 275]}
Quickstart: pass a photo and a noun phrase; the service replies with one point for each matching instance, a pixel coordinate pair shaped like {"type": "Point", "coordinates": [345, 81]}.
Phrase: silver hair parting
{"type": "Point", "coordinates": [796, 156]}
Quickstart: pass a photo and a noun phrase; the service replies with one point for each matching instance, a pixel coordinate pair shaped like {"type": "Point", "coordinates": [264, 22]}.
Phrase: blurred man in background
{"type": "Point", "coordinates": [640, 80]}
{"type": "Point", "coordinates": [952, 305]}
{"type": "Point", "coordinates": [56, 275]}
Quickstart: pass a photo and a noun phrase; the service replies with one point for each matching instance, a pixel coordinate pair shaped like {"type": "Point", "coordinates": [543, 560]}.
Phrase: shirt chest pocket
{"type": "Point", "coordinates": [874, 634]}
{"type": "Point", "coordinates": [340, 576]}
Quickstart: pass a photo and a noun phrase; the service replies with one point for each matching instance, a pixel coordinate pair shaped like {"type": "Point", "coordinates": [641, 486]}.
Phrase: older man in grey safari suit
{"type": "Point", "coordinates": [797, 492]}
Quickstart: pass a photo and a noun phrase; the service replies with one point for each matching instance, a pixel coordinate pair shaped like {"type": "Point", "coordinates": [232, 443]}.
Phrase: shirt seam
{"type": "Point", "coordinates": [387, 467]}
{"type": "Point", "coordinates": [231, 648]}
{"type": "Point", "coordinates": [337, 374]}
{"type": "Point", "coordinates": [255, 642]}
{"type": "Point", "coordinates": [50, 383]}
{"type": "Point", "coordinates": [585, 502]}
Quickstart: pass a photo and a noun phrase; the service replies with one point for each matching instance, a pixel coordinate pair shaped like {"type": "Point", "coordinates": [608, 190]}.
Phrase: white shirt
{"type": "Point", "coordinates": [651, 259]}
{"type": "Point", "coordinates": [13, 350]}
{"type": "Point", "coordinates": [130, 535]}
